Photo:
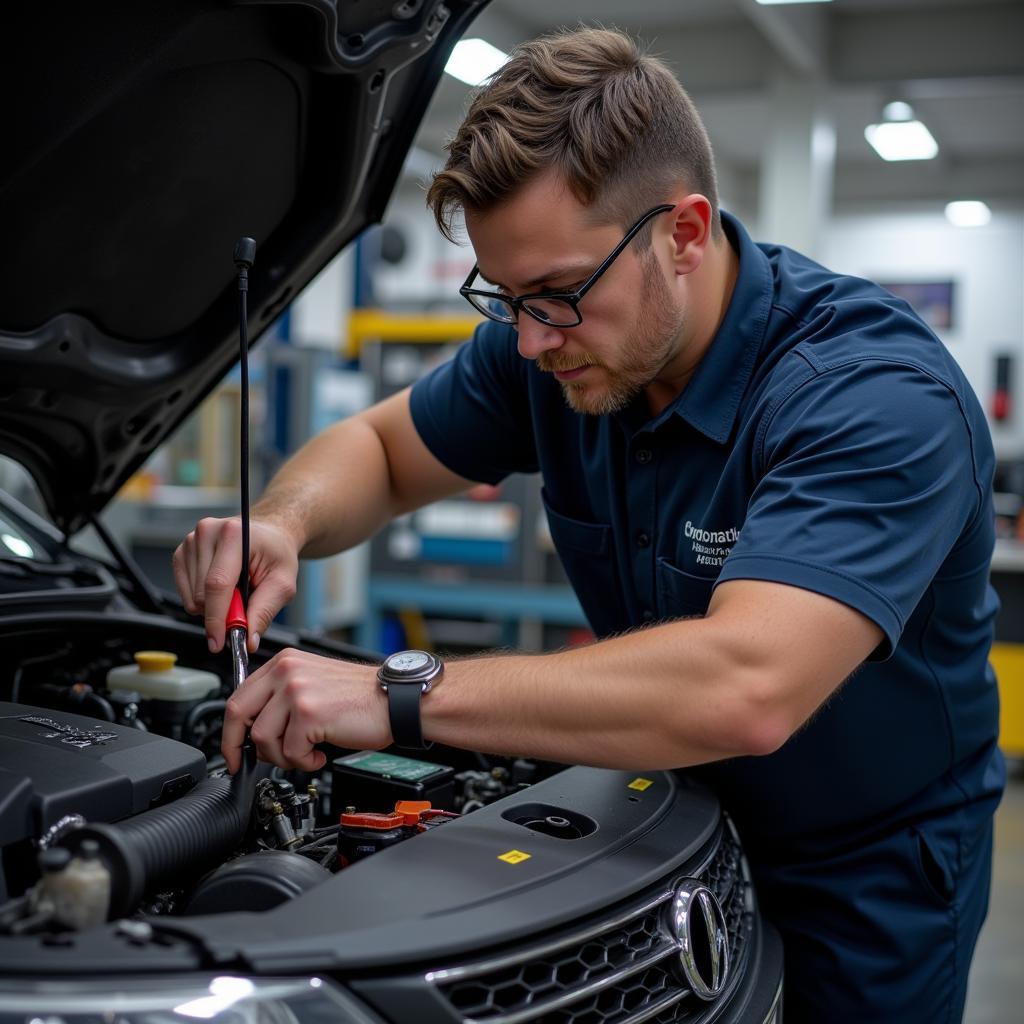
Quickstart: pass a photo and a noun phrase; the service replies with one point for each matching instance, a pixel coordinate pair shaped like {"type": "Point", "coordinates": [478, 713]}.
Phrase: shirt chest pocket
{"type": "Point", "coordinates": [680, 593]}
{"type": "Point", "coordinates": [588, 557]}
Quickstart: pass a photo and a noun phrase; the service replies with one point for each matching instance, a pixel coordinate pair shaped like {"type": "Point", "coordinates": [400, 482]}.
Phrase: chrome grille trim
{"type": "Point", "coordinates": [663, 1004]}
{"type": "Point", "coordinates": [537, 1009]}
{"type": "Point", "coordinates": [546, 948]}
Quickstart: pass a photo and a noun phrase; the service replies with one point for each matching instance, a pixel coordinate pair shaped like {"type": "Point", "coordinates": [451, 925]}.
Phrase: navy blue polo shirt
{"type": "Point", "coordinates": [828, 441]}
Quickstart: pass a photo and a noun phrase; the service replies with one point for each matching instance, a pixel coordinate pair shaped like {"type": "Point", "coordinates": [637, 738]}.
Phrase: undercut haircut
{"type": "Point", "coordinates": [613, 122]}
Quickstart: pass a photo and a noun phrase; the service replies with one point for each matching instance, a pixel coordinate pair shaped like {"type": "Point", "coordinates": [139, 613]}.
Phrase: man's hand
{"type": "Point", "coordinates": [207, 565]}
{"type": "Point", "coordinates": [333, 494]}
{"type": "Point", "coordinates": [298, 700]}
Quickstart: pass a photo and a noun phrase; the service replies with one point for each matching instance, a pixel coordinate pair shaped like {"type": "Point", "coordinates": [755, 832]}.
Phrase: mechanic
{"type": "Point", "coordinates": [770, 487]}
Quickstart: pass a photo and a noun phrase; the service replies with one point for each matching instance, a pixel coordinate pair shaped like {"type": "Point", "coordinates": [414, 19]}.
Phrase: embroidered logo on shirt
{"type": "Point", "coordinates": [711, 547]}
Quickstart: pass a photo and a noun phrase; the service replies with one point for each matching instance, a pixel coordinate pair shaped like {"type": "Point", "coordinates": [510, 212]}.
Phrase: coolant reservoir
{"type": "Point", "coordinates": [155, 676]}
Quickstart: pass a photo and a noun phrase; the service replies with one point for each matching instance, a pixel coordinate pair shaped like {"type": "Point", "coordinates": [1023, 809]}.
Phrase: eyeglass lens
{"type": "Point", "coordinates": [556, 312]}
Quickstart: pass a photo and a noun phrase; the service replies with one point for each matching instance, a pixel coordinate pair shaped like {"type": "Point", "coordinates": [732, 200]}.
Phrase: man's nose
{"type": "Point", "coordinates": [535, 337]}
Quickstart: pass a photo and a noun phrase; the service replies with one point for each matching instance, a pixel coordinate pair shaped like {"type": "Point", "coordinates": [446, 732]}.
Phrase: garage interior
{"type": "Point", "coordinates": [787, 91]}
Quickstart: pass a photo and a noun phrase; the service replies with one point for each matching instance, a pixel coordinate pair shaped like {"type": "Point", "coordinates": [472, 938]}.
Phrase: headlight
{"type": "Point", "coordinates": [222, 1000]}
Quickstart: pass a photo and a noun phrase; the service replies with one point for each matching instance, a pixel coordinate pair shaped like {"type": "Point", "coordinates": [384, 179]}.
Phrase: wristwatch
{"type": "Point", "coordinates": [405, 677]}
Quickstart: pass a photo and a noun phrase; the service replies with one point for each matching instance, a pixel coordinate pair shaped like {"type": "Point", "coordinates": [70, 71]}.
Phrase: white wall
{"type": "Point", "coordinates": [986, 265]}
{"type": "Point", "coordinates": [319, 314]}
{"type": "Point", "coordinates": [433, 268]}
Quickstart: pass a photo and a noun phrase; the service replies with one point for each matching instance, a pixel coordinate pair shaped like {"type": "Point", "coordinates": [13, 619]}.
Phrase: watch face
{"type": "Point", "coordinates": [408, 661]}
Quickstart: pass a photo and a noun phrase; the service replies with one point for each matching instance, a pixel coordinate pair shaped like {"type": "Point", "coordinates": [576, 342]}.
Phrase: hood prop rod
{"type": "Point", "coordinates": [245, 256]}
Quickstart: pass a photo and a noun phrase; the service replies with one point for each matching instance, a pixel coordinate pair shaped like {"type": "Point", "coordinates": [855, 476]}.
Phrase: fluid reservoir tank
{"type": "Point", "coordinates": [155, 676]}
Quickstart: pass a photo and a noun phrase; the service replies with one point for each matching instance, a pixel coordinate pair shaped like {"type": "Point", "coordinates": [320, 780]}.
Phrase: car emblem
{"type": "Point", "coordinates": [698, 924]}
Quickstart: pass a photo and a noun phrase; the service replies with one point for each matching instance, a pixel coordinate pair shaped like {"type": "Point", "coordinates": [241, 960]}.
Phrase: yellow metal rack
{"type": "Point", "coordinates": [376, 325]}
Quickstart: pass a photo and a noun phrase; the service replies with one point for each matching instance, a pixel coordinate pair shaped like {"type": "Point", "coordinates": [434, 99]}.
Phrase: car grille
{"type": "Point", "coordinates": [622, 969]}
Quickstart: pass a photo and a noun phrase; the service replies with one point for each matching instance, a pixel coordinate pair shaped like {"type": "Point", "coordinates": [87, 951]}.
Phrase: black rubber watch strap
{"type": "Point", "coordinates": [404, 712]}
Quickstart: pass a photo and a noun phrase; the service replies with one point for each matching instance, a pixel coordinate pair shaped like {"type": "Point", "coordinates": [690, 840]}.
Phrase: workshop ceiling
{"type": "Point", "coordinates": [960, 63]}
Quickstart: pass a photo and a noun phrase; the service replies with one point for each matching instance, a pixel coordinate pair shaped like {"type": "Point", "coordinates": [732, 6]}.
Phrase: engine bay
{"type": "Point", "coordinates": [120, 843]}
{"type": "Point", "coordinates": [115, 801]}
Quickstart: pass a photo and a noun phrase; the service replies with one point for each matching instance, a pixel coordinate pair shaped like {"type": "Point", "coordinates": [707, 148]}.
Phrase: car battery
{"type": "Point", "coordinates": [371, 780]}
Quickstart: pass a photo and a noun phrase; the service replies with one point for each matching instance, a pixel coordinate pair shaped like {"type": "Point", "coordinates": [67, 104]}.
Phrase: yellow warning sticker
{"type": "Point", "coordinates": [514, 857]}
{"type": "Point", "coordinates": [641, 784]}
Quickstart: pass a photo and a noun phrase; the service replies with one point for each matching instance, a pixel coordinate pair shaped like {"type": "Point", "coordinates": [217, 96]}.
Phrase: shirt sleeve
{"type": "Point", "coordinates": [473, 411]}
{"type": "Point", "coordinates": [867, 480]}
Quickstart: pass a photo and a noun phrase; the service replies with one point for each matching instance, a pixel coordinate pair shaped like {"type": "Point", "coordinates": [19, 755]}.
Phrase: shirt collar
{"type": "Point", "coordinates": [711, 400]}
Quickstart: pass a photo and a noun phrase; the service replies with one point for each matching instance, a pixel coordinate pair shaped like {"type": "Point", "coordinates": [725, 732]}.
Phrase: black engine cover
{"type": "Point", "coordinates": [53, 764]}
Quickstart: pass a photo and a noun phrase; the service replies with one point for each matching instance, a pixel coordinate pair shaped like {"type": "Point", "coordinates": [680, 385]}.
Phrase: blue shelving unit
{"type": "Point", "coordinates": [501, 601]}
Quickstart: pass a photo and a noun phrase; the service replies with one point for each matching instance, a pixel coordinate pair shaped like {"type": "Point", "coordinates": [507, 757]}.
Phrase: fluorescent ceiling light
{"type": "Point", "coordinates": [968, 213]}
{"type": "Point", "coordinates": [901, 140]}
{"type": "Point", "coordinates": [769, 3]}
{"type": "Point", "coordinates": [473, 61]}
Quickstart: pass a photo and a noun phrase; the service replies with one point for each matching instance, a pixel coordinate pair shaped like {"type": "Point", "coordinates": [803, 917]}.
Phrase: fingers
{"type": "Point", "coordinates": [220, 555]}
{"type": "Point", "coordinates": [311, 762]}
{"type": "Point", "coordinates": [268, 730]}
{"type": "Point", "coordinates": [241, 711]}
{"type": "Point", "coordinates": [242, 708]}
{"type": "Point", "coordinates": [181, 563]}
{"type": "Point", "coordinates": [268, 597]}
{"type": "Point", "coordinates": [236, 723]}
{"type": "Point", "coordinates": [207, 565]}
{"type": "Point", "coordinates": [280, 718]}
{"type": "Point", "coordinates": [297, 700]}
{"type": "Point", "coordinates": [282, 737]}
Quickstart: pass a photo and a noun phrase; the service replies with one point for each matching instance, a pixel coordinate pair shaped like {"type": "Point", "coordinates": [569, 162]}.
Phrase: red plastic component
{"type": "Point", "coordinates": [372, 819]}
{"type": "Point", "coordinates": [236, 612]}
{"type": "Point", "coordinates": [411, 810]}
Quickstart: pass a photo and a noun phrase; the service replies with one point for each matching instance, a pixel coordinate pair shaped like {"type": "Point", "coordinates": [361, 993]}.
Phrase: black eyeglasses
{"type": "Point", "coordinates": [555, 309]}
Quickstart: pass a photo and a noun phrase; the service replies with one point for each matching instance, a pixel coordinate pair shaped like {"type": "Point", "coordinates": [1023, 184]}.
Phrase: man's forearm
{"type": "Point", "coordinates": [659, 698]}
{"type": "Point", "coordinates": [333, 493]}
{"type": "Point", "coordinates": [739, 681]}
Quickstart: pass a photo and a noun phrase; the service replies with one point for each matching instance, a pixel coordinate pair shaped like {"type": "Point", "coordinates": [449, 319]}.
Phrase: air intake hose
{"type": "Point", "coordinates": [179, 839]}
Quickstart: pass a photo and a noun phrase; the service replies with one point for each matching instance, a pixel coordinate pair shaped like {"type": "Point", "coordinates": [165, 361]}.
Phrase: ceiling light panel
{"type": "Point", "coordinates": [902, 140]}
{"type": "Point", "coordinates": [968, 213]}
{"type": "Point", "coordinates": [473, 61]}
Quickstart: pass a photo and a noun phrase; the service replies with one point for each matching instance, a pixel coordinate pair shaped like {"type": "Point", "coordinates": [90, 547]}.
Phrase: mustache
{"type": "Point", "coordinates": [555, 362]}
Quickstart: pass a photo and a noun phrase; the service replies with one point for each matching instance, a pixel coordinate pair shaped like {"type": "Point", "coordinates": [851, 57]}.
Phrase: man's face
{"type": "Point", "coordinates": [542, 239]}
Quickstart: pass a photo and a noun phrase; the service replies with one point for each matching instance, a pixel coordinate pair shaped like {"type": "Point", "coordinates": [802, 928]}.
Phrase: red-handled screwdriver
{"type": "Point", "coordinates": [237, 626]}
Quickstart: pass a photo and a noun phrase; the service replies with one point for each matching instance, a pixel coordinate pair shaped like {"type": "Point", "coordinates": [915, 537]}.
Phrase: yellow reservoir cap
{"type": "Point", "coordinates": [155, 661]}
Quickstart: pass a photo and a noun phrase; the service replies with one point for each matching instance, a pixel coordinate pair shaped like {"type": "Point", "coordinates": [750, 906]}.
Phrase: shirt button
{"type": "Point", "coordinates": [647, 615]}
{"type": "Point", "coordinates": [643, 455]}
{"type": "Point", "coordinates": [643, 540]}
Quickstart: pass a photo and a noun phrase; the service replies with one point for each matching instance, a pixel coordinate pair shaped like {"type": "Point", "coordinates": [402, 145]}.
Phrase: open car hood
{"type": "Point", "coordinates": [141, 141]}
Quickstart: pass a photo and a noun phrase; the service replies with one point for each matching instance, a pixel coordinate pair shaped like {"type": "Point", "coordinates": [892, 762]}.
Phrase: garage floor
{"type": "Point", "coordinates": [996, 991]}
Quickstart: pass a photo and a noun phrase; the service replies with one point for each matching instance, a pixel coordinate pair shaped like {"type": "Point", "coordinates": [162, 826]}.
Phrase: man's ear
{"type": "Point", "coordinates": [691, 232]}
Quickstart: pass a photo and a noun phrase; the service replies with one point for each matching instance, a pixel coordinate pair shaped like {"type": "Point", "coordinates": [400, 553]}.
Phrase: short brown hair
{"type": "Point", "coordinates": [612, 121]}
